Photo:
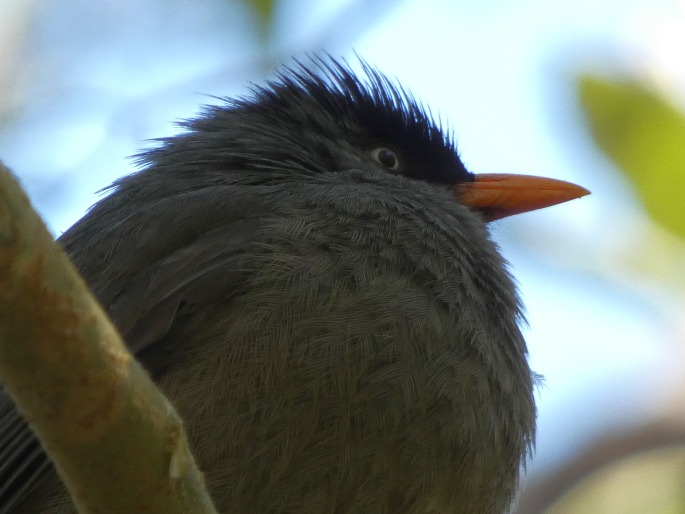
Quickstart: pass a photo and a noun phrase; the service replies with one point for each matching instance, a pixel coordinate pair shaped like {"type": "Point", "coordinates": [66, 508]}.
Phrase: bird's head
{"type": "Point", "coordinates": [325, 118]}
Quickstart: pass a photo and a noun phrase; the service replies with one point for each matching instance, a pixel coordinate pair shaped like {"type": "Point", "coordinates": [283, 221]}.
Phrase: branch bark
{"type": "Point", "coordinates": [116, 441]}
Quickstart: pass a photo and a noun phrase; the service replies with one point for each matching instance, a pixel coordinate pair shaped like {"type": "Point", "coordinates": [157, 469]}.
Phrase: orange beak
{"type": "Point", "coordinates": [499, 195]}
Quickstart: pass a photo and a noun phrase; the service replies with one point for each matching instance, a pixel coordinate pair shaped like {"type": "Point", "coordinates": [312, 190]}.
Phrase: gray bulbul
{"type": "Point", "coordinates": [307, 274]}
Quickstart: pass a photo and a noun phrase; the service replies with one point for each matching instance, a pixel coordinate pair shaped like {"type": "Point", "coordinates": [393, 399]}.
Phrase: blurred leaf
{"type": "Point", "coordinates": [649, 482]}
{"type": "Point", "coordinates": [644, 134]}
{"type": "Point", "coordinates": [265, 11]}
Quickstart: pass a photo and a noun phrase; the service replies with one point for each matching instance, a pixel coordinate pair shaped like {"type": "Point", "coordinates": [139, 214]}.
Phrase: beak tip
{"type": "Point", "coordinates": [576, 192]}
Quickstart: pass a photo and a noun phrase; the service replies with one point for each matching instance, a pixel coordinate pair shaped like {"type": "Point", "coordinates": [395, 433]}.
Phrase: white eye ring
{"type": "Point", "coordinates": [385, 157]}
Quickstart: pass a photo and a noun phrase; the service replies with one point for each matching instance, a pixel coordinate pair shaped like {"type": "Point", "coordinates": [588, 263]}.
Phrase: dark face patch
{"type": "Point", "coordinates": [369, 111]}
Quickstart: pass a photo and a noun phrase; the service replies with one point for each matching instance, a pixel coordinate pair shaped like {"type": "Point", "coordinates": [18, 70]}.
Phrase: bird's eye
{"type": "Point", "coordinates": [385, 157]}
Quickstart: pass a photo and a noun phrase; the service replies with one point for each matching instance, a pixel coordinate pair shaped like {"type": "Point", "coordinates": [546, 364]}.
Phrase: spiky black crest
{"type": "Point", "coordinates": [371, 108]}
{"type": "Point", "coordinates": [281, 126]}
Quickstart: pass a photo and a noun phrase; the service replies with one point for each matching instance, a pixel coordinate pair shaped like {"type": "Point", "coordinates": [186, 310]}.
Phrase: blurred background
{"type": "Point", "coordinates": [587, 91]}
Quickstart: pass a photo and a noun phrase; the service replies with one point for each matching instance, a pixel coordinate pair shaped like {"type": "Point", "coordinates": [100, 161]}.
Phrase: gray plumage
{"type": "Point", "coordinates": [339, 334]}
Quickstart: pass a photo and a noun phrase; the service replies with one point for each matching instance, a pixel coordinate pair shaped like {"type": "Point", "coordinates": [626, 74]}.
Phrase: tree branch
{"type": "Point", "coordinates": [116, 441]}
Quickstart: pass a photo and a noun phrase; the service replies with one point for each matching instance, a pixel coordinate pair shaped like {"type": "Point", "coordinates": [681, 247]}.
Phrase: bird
{"type": "Point", "coordinates": [307, 273]}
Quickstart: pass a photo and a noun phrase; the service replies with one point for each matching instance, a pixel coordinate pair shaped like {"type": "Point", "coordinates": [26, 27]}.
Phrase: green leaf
{"type": "Point", "coordinates": [644, 134]}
